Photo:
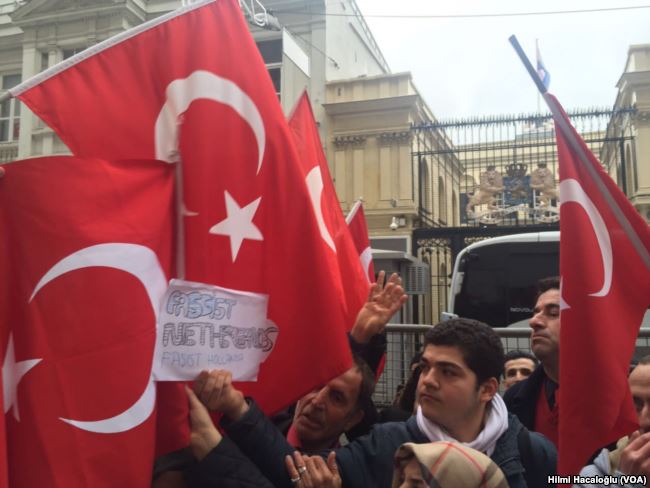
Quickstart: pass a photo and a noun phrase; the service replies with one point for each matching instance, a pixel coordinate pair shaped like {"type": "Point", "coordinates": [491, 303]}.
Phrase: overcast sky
{"type": "Point", "coordinates": [466, 67]}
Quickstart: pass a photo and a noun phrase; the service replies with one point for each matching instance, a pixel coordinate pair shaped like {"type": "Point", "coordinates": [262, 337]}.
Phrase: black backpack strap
{"type": "Point", "coordinates": [534, 479]}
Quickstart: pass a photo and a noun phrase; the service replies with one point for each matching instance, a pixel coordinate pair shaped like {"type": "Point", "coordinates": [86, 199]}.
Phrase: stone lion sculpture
{"type": "Point", "coordinates": [543, 180]}
{"type": "Point", "coordinates": [491, 183]}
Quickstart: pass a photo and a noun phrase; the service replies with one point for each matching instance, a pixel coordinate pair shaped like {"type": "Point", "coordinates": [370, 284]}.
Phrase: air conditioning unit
{"type": "Point", "coordinates": [391, 243]}
{"type": "Point", "coordinates": [417, 279]}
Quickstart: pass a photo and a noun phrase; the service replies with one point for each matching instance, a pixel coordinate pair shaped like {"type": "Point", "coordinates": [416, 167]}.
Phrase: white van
{"type": "Point", "coordinates": [495, 280]}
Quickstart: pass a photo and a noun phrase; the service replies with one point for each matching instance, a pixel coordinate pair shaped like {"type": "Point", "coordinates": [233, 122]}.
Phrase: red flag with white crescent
{"type": "Point", "coordinates": [356, 221]}
{"type": "Point", "coordinates": [336, 238]}
{"type": "Point", "coordinates": [605, 270]}
{"type": "Point", "coordinates": [85, 258]}
{"type": "Point", "coordinates": [192, 87]}
{"type": "Point", "coordinates": [4, 461]}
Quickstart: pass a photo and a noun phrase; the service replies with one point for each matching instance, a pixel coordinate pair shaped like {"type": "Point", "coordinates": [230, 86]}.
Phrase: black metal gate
{"type": "Point", "coordinates": [507, 184]}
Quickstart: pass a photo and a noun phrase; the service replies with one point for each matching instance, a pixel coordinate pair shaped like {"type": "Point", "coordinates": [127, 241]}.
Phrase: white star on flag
{"type": "Point", "coordinates": [238, 225]}
{"type": "Point", "coordinates": [12, 373]}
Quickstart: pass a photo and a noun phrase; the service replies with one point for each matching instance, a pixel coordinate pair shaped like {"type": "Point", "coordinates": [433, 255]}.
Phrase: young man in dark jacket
{"type": "Point", "coordinates": [461, 366]}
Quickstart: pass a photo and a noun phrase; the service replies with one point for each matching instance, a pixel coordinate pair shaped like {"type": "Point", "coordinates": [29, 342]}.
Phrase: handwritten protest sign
{"type": "Point", "coordinates": [207, 327]}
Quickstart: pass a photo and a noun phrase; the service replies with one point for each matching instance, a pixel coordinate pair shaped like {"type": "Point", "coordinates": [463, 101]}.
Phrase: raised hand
{"type": "Point", "coordinates": [635, 458]}
{"type": "Point", "coordinates": [217, 393]}
{"type": "Point", "coordinates": [383, 302]}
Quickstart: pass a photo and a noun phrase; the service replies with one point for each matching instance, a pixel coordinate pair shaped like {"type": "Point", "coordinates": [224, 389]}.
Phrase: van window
{"type": "Point", "coordinates": [499, 282]}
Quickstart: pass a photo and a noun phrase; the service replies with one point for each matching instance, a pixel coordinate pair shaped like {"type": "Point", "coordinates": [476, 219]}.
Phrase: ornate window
{"type": "Point", "coordinates": [442, 200]}
{"type": "Point", "coordinates": [425, 186]}
{"type": "Point", "coordinates": [9, 110]}
{"type": "Point", "coordinates": [454, 208]}
{"type": "Point", "coordinates": [271, 52]}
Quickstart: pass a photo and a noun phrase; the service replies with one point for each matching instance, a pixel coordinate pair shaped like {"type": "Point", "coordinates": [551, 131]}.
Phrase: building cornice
{"type": "Point", "coordinates": [349, 141]}
{"type": "Point", "coordinates": [405, 102]}
{"type": "Point", "coordinates": [40, 14]}
{"type": "Point", "coordinates": [383, 76]}
{"type": "Point", "coordinates": [392, 138]}
{"type": "Point", "coordinates": [641, 117]}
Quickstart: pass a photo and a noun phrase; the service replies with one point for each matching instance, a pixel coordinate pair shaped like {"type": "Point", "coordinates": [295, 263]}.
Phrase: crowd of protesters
{"type": "Point", "coordinates": [449, 425]}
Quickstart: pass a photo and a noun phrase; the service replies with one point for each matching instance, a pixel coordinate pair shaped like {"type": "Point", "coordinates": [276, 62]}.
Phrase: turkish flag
{"type": "Point", "coordinates": [356, 221]}
{"type": "Point", "coordinates": [191, 86]}
{"type": "Point", "coordinates": [4, 462]}
{"type": "Point", "coordinates": [336, 238]}
{"type": "Point", "coordinates": [605, 269]}
{"type": "Point", "coordinates": [85, 257]}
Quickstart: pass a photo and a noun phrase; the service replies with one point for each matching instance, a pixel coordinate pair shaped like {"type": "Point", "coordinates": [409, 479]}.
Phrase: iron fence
{"type": "Point", "coordinates": [507, 164]}
{"type": "Point", "coordinates": [499, 176]}
{"type": "Point", "coordinates": [405, 340]}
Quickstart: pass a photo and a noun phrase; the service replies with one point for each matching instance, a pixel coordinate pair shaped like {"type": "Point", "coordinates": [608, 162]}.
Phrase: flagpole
{"type": "Point", "coordinates": [180, 222]}
{"type": "Point", "coordinates": [529, 67]}
{"type": "Point", "coordinates": [5, 96]}
{"type": "Point", "coordinates": [640, 248]}
{"type": "Point", "coordinates": [538, 95]}
{"type": "Point", "coordinates": [353, 210]}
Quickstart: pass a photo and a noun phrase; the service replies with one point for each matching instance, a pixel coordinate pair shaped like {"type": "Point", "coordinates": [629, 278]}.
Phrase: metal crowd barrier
{"type": "Point", "coordinates": [404, 340]}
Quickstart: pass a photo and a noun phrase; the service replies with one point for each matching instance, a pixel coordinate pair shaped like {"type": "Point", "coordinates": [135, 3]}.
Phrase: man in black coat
{"type": "Point", "coordinates": [534, 400]}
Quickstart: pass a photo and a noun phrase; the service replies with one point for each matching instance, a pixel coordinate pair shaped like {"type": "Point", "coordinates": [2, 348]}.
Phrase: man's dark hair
{"type": "Point", "coordinates": [406, 398]}
{"type": "Point", "coordinates": [415, 359]}
{"type": "Point", "coordinates": [478, 343]}
{"type": "Point", "coordinates": [546, 284]}
{"type": "Point", "coordinates": [517, 354]}
{"type": "Point", "coordinates": [644, 360]}
{"type": "Point", "coordinates": [364, 400]}
{"type": "Point", "coordinates": [637, 362]}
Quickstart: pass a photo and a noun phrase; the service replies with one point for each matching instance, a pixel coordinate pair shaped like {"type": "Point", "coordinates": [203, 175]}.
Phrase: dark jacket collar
{"type": "Point", "coordinates": [506, 452]}
{"type": "Point", "coordinates": [521, 398]}
{"type": "Point", "coordinates": [414, 431]}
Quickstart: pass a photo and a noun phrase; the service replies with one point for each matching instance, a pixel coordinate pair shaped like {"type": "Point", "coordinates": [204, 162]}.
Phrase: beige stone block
{"type": "Point", "coordinates": [339, 174]}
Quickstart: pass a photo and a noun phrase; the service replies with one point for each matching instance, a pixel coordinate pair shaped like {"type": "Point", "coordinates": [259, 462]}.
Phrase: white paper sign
{"type": "Point", "coordinates": [207, 327]}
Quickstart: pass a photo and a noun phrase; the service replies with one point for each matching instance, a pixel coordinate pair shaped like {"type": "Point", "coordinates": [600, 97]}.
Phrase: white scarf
{"type": "Point", "coordinates": [496, 423]}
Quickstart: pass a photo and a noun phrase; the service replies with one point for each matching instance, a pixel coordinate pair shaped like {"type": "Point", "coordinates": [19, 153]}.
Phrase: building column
{"type": "Point", "coordinates": [27, 118]}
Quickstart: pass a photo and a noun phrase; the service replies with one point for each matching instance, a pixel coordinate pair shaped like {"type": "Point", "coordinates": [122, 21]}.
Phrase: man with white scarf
{"type": "Point", "coordinates": [461, 366]}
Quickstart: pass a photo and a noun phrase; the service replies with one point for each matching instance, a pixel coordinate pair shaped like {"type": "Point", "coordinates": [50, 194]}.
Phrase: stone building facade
{"type": "Point", "coordinates": [628, 161]}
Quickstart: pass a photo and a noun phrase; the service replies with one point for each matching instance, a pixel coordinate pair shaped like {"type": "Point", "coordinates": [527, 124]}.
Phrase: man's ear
{"type": "Point", "coordinates": [488, 389]}
{"type": "Point", "coordinates": [354, 420]}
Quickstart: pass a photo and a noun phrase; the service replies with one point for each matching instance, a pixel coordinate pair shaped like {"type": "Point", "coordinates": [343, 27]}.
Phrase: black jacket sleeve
{"type": "Point", "coordinates": [262, 443]}
{"type": "Point", "coordinates": [226, 467]}
{"type": "Point", "coordinates": [372, 352]}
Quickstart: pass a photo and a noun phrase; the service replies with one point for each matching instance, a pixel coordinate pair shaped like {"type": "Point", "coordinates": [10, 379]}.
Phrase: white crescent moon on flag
{"type": "Point", "coordinates": [143, 264]}
{"type": "Point", "coordinates": [314, 182]}
{"type": "Point", "coordinates": [203, 85]}
{"type": "Point", "coordinates": [563, 304]}
{"type": "Point", "coordinates": [366, 259]}
{"type": "Point", "coordinates": [572, 191]}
